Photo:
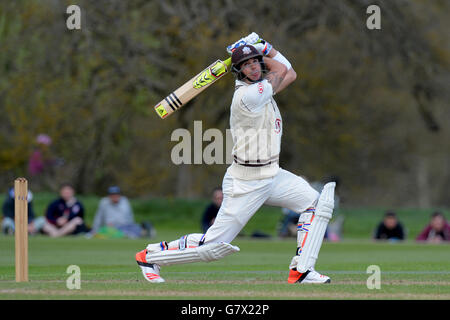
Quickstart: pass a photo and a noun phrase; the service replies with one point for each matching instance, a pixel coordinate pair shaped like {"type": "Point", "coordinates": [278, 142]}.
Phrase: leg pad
{"type": "Point", "coordinates": [205, 253]}
{"type": "Point", "coordinates": [309, 252]}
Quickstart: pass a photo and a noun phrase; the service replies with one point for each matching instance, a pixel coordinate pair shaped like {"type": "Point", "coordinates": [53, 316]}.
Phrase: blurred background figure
{"type": "Point", "coordinates": [115, 218]}
{"type": "Point", "coordinates": [42, 164]}
{"type": "Point", "coordinates": [438, 230]}
{"type": "Point", "coordinates": [65, 215]}
{"type": "Point", "coordinates": [289, 221]}
{"type": "Point", "coordinates": [8, 225]}
{"type": "Point", "coordinates": [390, 228]}
{"type": "Point", "coordinates": [210, 213]}
{"type": "Point", "coordinates": [39, 158]}
{"type": "Point", "coordinates": [288, 224]}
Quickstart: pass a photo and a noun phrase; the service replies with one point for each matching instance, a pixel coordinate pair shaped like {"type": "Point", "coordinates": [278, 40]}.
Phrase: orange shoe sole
{"type": "Point", "coordinates": [140, 259]}
{"type": "Point", "coordinates": [295, 276]}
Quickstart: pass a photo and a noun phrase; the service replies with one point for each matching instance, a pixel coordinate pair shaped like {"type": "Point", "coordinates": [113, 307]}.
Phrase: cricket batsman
{"type": "Point", "coordinates": [255, 177]}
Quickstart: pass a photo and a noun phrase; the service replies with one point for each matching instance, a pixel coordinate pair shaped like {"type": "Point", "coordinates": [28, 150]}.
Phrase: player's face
{"type": "Point", "coordinates": [438, 223]}
{"type": "Point", "coordinates": [67, 193]}
{"type": "Point", "coordinates": [390, 222]}
{"type": "Point", "coordinates": [115, 198]}
{"type": "Point", "coordinates": [252, 69]}
{"type": "Point", "coordinates": [218, 197]}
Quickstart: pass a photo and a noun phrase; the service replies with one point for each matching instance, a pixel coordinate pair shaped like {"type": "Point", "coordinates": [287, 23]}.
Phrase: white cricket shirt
{"type": "Point", "coordinates": [256, 128]}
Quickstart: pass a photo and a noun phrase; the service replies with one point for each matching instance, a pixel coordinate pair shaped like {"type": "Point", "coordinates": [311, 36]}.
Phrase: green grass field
{"type": "Point", "coordinates": [409, 271]}
{"type": "Point", "coordinates": [183, 216]}
{"type": "Point", "coordinates": [258, 271]}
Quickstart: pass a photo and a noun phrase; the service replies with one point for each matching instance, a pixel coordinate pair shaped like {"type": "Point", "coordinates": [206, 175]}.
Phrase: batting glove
{"type": "Point", "coordinates": [253, 39]}
{"type": "Point", "coordinates": [263, 46]}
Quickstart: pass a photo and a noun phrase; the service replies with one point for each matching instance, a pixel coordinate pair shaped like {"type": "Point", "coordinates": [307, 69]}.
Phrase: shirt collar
{"type": "Point", "coordinates": [241, 83]}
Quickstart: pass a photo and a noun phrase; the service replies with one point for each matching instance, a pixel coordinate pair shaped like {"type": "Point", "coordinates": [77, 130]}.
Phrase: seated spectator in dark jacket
{"type": "Point", "coordinates": [65, 215]}
{"type": "Point", "coordinates": [437, 231]}
{"type": "Point", "coordinates": [8, 222]}
{"type": "Point", "coordinates": [390, 228]}
{"type": "Point", "coordinates": [210, 213]}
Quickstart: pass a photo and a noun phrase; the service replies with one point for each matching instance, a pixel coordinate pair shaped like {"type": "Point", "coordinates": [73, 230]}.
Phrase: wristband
{"type": "Point", "coordinates": [280, 58]}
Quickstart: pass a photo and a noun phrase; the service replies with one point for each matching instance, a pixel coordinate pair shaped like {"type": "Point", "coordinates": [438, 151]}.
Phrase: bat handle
{"type": "Point", "coordinates": [228, 62]}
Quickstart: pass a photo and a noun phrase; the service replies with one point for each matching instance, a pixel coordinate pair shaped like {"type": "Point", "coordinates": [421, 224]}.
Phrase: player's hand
{"type": "Point", "coordinates": [263, 46]}
{"type": "Point", "coordinates": [260, 44]}
{"type": "Point", "coordinates": [61, 221]}
{"type": "Point", "coordinates": [250, 39]}
{"type": "Point", "coordinates": [253, 39]}
{"type": "Point", "coordinates": [233, 46]}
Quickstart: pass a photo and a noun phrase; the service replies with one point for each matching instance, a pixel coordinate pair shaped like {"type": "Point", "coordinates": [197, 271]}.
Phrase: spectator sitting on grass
{"type": "Point", "coordinates": [210, 213]}
{"type": "Point", "coordinates": [288, 224]}
{"type": "Point", "coordinates": [8, 223]}
{"type": "Point", "coordinates": [114, 213]}
{"type": "Point", "coordinates": [65, 215]}
{"type": "Point", "coordinates": [437, 231]}
{"type": "Point", "coordinates": [390, 228]}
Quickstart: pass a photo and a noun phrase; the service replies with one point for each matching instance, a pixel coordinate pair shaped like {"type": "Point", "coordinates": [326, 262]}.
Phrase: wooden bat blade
{"type": "Point", "coordinates": [192, 88]}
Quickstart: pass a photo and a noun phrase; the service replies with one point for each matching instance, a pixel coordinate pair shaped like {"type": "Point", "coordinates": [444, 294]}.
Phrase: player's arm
{"type": "Point", "coordinates": [275, 61]}
{"type": "Point", "coordinates": [290, 76]}
{"type": "Point", "coordinates": [276, 74]}
{"type": "Point", "coordinates": [273, 58]}
{"type": "Point", "coordinates": [51, 214]}
{"type": "Point", "coordinates": [258, 94]}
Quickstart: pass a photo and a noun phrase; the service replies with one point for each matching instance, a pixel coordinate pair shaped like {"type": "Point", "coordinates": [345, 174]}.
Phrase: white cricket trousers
{"type": "Point", "coordinates": [242, 198]}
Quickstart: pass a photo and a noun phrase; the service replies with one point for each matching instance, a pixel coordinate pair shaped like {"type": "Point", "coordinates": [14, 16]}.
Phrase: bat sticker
{"type": "Point", "coordinates": [217, 70]}
{"type": "Point", "coordinates": [192, 88]}
{"type": "Point", "coordinates": [161, 111]}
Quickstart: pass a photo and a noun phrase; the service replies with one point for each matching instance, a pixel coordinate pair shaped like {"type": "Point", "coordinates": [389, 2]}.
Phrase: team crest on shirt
{"type": "Point", "coordinates": [278, 125]}
{"type": "Point", "coordinates": [260, 87]}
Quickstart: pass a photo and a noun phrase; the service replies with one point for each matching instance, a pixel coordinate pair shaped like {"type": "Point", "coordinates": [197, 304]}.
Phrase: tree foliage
{"type": "Point", "coordinates": [370, 106]}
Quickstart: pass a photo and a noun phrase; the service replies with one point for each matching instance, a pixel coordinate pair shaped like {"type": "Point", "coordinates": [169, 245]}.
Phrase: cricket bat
{"type": "Point", "coordinates": [192, 88]}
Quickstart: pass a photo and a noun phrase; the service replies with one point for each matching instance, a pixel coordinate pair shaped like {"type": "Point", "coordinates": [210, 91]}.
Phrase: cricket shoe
{"type": "Point", "coordinates": [149, 270]}
{"type": "Point", "coordinates": [310, 276]}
